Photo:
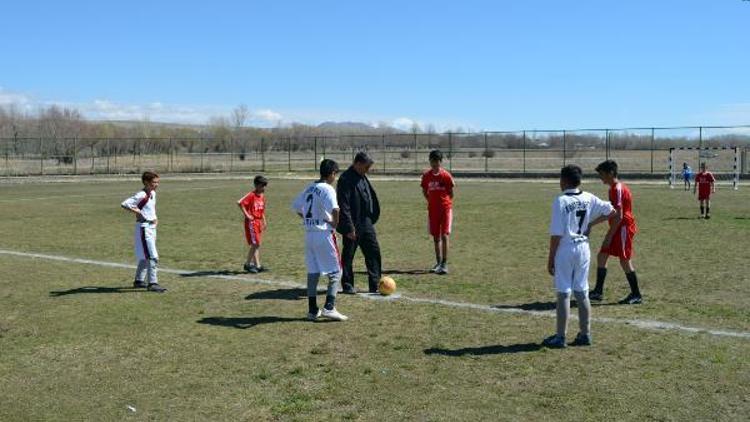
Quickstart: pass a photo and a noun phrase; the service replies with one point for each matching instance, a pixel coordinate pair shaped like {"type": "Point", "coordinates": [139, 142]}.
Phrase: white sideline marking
{"type": "Point", "coordinates": [638, 323]}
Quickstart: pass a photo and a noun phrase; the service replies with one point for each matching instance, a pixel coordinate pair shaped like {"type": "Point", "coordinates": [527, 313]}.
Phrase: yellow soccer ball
{"type": "Point", "coordinates": [386, 286]}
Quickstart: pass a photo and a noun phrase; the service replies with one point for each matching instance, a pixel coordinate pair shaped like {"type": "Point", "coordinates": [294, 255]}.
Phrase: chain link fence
{"type": "Point", "coordinates": [642, 151]}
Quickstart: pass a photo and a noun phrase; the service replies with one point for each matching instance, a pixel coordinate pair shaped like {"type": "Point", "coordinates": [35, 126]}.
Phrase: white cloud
{"type": "Point", "coordinates": [268, 116]}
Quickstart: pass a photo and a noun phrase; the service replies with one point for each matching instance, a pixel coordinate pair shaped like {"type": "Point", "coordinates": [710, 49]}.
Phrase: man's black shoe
{"type": "Point", "coordinates": [156, 288]}
{"type": "Point", "coordinates": [137, 284]}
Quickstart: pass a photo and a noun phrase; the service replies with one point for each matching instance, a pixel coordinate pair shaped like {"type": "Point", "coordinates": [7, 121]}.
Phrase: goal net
{"type": "Point", "coordinates": [723, 162]}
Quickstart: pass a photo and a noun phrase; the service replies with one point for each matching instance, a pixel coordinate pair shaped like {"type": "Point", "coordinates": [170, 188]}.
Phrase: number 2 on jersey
{"type": "Point", "coordinates": [309, 209]}
{"type": "Point", "coordinates": [581, 214]}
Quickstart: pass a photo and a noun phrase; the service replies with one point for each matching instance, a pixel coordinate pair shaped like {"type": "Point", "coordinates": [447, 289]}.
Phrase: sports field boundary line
{"type": "Point", "coordinates": [651, 325]}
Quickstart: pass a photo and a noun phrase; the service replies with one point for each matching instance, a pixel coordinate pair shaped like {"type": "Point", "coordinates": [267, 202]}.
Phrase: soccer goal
{"type": "Point", "coordinates": [723, 162]}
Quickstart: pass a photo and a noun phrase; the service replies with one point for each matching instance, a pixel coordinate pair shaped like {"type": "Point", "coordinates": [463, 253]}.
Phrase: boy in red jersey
{"type": "Point", "coordinates": [253, 206]}
{"type": "Point", "coordinates": [704, 183]}
{"type": "Point", "coordinates": [620, 244]}
{"type": "Point", "coordinates": [437, 187]}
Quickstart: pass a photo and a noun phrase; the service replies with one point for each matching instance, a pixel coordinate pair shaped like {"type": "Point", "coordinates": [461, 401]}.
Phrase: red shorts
{"type": "Point", "coordinates": [704, 195]}
{"type": "Point", "coordinates": [253, 232]}
{"type": "Point", "coordinates": [622, 244]}
{"type": "Point", "coordinates": [440, 221]}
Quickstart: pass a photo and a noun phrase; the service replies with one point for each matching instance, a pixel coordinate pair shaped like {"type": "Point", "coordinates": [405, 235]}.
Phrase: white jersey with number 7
{"type": "Point", "coordinates": [316, 204]}
{"type": "Point", "coordinates": [571, 213]}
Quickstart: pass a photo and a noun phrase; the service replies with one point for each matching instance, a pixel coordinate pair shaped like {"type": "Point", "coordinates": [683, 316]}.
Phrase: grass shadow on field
{"type": "Point", "coordinates": [497, 349]}
{"type": "Point", "coordinates": [534, 306]}
{"type": "Point", "coordinates": [245, 322]}
{"type": "Point", "coordinates": [279, 294]}
{"type": "Point", "coordinates": [94, 289]}
{"type": "Point", "coordinates": [680, 218]}
{"type": "Point", "coordinates": [212, 273]}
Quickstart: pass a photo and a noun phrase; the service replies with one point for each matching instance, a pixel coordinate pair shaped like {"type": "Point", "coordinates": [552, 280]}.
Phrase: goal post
{"type": "Point", "coordinates": [723, 162]}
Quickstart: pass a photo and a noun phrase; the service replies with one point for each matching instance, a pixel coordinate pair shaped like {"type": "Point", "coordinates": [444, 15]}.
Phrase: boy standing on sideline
{"type": "Point", "coordinates": [437, 188]}
{"type": "Point", "coordinates": [621, 244]}
{"type": "Point", "coordinates": [704, 184]}
{"type": "Point", "coordinates": [143, 205]}
{"type": "Point", "coordinates": [253, 206]}
{"type": "Point", "coordinates": [319, 210]}
{"type": "Point", "coordinates": [574, 212]}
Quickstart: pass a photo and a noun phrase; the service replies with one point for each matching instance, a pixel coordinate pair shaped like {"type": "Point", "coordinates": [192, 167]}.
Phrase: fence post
{"type": "Point", "coordinates": [231, 153]}
{"type": "Point", "coordinates": [524, 153]}
{"type": "Point", "coordinates": [7, 159]}
{"type": "Point", "coordinates": [262, 154]}
{"type": "Point", "coordinates": [315, 152]}
{"type": "Point", "coordinates": [565, 147]}
{"type": "Point", "coordinates": [41, 155]}
{"type": "Point", "coordinates": [486, 154]}
{"type": "Point", "coordinates": [171, 154]}
{"type": "Point", "coordinates": [109, 152]}
{"type": "Point", "coordinates": [382, 138]}
{"type": "Point", "coordinates": [75, 155]}
{"type": "Point", "coordinates": [92, 158]}
{"type": "Point", "coordinates": [202, 144]}
{"type": "Point", "coordinates": [652, 150]}
{"type": "Point", "coordinates": [416, 153]}
{"type": "Point", "coordinates": [450, 151]}
{"type": "Point", "coordinates": [289, 152]}
{"type": "Point", "coordinates": [606, 144]}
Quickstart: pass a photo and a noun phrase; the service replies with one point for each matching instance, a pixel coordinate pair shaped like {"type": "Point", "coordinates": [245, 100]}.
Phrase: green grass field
{"type": "Point", "coordinates": [76, 343]}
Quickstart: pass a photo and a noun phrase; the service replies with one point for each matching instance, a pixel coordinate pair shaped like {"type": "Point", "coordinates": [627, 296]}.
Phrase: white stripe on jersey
{"type": "Point", "coordinates": [571, 213]}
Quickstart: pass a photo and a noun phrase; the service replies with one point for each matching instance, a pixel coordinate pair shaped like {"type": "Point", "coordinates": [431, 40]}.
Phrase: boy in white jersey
{"type": "Point", "coordinates": [143, 205]}
{"type": "Point", "coordinates": [319, 210]}
{"type": "Point", "coordinates": [573, 214]}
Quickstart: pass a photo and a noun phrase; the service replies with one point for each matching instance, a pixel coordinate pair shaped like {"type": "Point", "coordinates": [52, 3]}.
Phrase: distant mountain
{"type": "Point", "coordinates": [356, 126]}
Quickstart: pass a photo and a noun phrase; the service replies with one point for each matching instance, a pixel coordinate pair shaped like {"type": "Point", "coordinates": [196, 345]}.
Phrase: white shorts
{"type": "Point", "coordinates": [145, 241]}
{"type": "Point", "coordinates": [322, 252]}
{"type": "Point", "coordinates": [572, 267]}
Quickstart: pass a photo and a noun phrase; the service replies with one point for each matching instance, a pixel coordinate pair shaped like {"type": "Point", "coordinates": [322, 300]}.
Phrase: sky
{"type": "Point", "coordinates": [473, 65]}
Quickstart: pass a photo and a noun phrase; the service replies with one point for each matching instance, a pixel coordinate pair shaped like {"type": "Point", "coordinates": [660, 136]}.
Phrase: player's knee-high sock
{"type": "Point", "coordinates": [633, 281]}
{"type": "Point", "coordinates": [601, 275]}
{"type": "Point", "coordinates": [312, 292]}
{"type": "Point", "coordinates": [702, 209]}
{"type": "Point", "coordinates": [563, 313]}
{"type": "Point", "coordinates": [584, 312]}
{"type": "Point", "coordinates": [708, 209]}
{"type": "Point", "coordinates": [333, 287]}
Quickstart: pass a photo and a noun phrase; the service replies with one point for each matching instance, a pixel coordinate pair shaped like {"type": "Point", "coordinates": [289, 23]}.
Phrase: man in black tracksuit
{"type": "Point", "coordinates": [360, 211]}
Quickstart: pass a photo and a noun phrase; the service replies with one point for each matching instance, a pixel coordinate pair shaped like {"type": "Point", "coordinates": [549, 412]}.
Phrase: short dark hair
{"type": "Point", "coordinates": [363, 157]}
{"type": "Point", "coordinates": [328, 167]}
{"type": "Point", "coordinates": [260, 180]}
{"type": "Point", "coordinates": [572, 174]}
{"type": "Point", "coordinates": [436, 155]}
{"type": "Point", "coordinates": [148, 176]}
{"type": "Point", "coordinates": [609, 166]}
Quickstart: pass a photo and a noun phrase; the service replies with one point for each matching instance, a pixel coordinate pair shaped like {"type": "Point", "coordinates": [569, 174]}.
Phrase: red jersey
{"type": "Point", "coordinates": [439, 188]}
{"type": "Point", "coordinates": [704, 180]}
{"type": "Point", "coordinates": [621, 198]}
{"type": "Point", "coordinates": [254, 204]}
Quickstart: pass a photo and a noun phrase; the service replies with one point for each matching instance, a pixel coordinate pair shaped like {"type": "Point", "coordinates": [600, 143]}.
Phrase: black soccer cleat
{"type": "Point", "coordinates": [349, 290]}
{"type": "Point", "coordinates": [631, 299]}
{"type": "Point", "coordinates": [138, 284]}
{"type": "Point", "coordinates": [554, 342]}
{"type": "Point", "coordinates": [595, 296]}
{"type": "Point", "coordinates": [156, 288]}
{"type": "Point", "coordinates": [582, 340]}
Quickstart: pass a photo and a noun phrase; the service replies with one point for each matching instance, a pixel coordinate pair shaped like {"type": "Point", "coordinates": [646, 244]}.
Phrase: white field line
{"type": "Point", "coordinates": [192, 177]}
{"type": "Point", "coordinates": [95, 195]}
{"type": "Point", "coordinates": [638, 323]}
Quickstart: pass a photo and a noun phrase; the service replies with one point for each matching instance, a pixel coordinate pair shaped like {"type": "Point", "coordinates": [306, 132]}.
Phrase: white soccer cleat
{"type": "Point", "coordinates": [313, 316]}
{"type": "Point", "coordinates": [334, 315]}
